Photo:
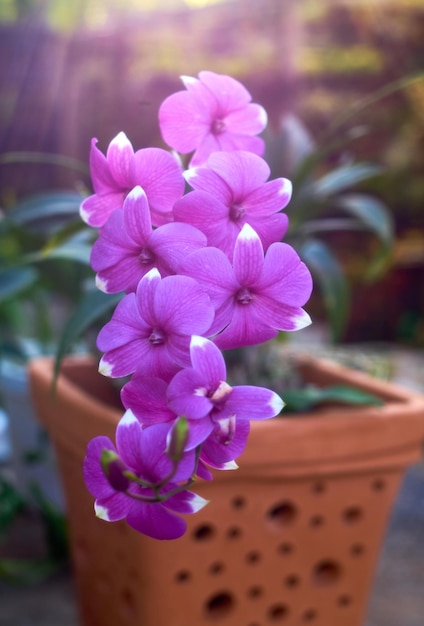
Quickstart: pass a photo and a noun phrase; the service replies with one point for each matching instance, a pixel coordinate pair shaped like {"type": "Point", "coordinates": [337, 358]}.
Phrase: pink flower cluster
{"type": "Point", "coordinates": [201, 272]}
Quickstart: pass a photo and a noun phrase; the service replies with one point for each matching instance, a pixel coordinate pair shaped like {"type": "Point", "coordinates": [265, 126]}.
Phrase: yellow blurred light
{"type": "Point", "coordinates": [199, 4]}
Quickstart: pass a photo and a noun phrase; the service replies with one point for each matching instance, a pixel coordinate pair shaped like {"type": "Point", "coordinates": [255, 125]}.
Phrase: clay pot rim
{"type": "Point", "coordinates": [391, 433]}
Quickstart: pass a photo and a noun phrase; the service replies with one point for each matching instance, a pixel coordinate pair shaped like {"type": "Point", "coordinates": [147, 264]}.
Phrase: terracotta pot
{"type": "Point", "coordinates": [291, 538]}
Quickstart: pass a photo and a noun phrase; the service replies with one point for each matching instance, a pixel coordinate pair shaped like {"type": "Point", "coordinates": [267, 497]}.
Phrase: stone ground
{"type": "Point", "coordinates": [397, 598]}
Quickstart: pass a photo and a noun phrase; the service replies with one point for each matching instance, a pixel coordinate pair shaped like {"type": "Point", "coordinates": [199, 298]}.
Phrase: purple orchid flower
{"type": "Point", "coordinates": [147, 399]}
{"type": "Point", "coordinates": [150, 329]}
{"type": "Point", "coordinates": [256, 296]}
{"type": "Point", "coordinates": [218, 414]}
{"type": "Point", "coordinates": [214, 113]}
{"type": "Point", "coordinates": [141, 453]}
{"type": "Point", "coordinates": [115, 174]}
{"type": "Point", "coordinates": [128, 248]}
{"type": "Point", "coordinates": [230, 192]}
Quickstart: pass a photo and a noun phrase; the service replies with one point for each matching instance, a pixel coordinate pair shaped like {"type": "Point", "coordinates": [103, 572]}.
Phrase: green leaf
{"type": "Point", "coordinates": [306, 167]}
{"type": "Point", "coordinates": [375, 216]}
{"type": "Point", "coordinates": [15, 280]}
{"type": "Point", "coordinates": [342, 178]}
{"type": "Point", "coordinates": [309, 397]}
{"type": "Point", "coordinates": [371, 212]}
{"type": "Point", "coordinates": [329, 276]}
{"type": "Point", "coordinates": [27, 571]}
{"type": "Point", "coordinates": [91, 309]}
{"type": "Point", "coordinates": [70, 250]}
{"type": "Point", "coordinates": [55, 526]}
{"type": "Point", "coordinates": [11, 503]}
{"type": "Point", "coordinates": [45, 205]}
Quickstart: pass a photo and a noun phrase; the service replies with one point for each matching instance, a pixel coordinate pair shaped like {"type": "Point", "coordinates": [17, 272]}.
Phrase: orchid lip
{"type": "Point", "coordinates": [157, 337]}
{"type": "Point", "coordinates": [218, 127]}
{"type": "Point", "coordinates": [244, 295]}
{"type": "Point", "coordinates": [146, 257]}
{"type": "Point", "coordinates": [236, 212]}
{"type": "Point", "coordinates": [221, 392]}
{"type": "Point", "coordinates": [226, 430]}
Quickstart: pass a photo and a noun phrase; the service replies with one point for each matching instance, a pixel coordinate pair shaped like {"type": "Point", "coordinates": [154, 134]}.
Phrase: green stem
{"type": "Point", "coordinates": [161, 497]}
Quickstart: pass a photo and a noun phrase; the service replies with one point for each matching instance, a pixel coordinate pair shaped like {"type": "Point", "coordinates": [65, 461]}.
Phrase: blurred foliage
{"type": "Point", "coordinates": [44, 257]}
{"type": "Point", "coordinates": [26, 571]}
{"type": "Point", "coordinates": [326, 200]}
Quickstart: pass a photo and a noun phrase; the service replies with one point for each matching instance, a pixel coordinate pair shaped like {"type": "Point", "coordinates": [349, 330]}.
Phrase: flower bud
{"type": "Point", "coordinates": [114, 469]}
{"type": "Point", "coordinates": [177, 439]}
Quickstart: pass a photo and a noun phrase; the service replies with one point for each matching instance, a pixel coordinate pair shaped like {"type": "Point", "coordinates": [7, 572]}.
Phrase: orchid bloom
{"type": "Point", "coordinates": [150, 329]}
{"type": "Point", "coordinates": [128, 248]}
{"type": "Point", "coordinates": [214, 113]}
{"type": "Point", "coordinates": [214, 408]}
{"type": "Point", "coordinates": [218, 415]}
{"type": "Point", "coordinates": [136, 482]}
{"type": "Point", "coordinates": [230, 192]}
{"type": "Point", "coordinates": [115, 174]}
{"type": "Point", "coordinates": [257, 295]}
{"type": "Point", "coordinates": [147, 399]}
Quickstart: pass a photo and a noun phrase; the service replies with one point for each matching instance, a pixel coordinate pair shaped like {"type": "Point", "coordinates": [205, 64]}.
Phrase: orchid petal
{"type": "Point", "coordinates": [279, 315]}
{"type": "Point", "coordinates": [136, 216]}
{"type": "Point", "coordinates": [101, 176]}
{"type": "Point", "coordinates": [96, 209]}
{"type": "Point", "coordinates": [242, 171]}
{"type": "Point", "coordinates": [113, 508]}
{"type": "Point", "coordinates": [128, 439]}
{"type": "Point", "coordinates": [244, 330]}
{"type": "Point", "coordinates": [270, 197]}
{"type": "Point", "coordinates": [182, 121]}
{"type": "Point", "coordinates": [146, 397]}
{"type": "Point", "coordinates": [250, 121]}
{"type": "Point", "coordinates": [155, 521]}
{"type": "Point", "coordinates": [120, 157]}
{"type": "Point", "coordinates": [212, 269]}
{"type": "Point", "coordinates": [159, 174]}
{"type": "Point", "coordinates": [208, 361]}
{"type": "Point", "coordinates": [199, 431]}
{"type": "Point", "coordinates": [229, 92]}
{"type": "Point", "coordinates": [215, 453]}
{"type": "Point", "coordinates": [145, 296]}
{"type": "Point", "coordinates": [205, 179]}
{"type": "Point", "coordinates": [248, 256]}
{"type": "Point", "coordinates": [185, 502]}
{"type": "Point", "coordinates": [187, 395]}
{"type": "Point", "coordinates": [94, 477]}
{"type": "Point", "coordinates": [172, 243]}
{"type": "Point", "coordinates": [270, 228]}
{"type": "Point", "coordinates": [182, 306]}
{"type": "Point", "coordinates": [254, 403]}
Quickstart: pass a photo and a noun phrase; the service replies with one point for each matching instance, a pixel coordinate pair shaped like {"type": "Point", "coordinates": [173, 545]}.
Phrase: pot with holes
{"type": "Point", "coordinates": [291, 538]}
